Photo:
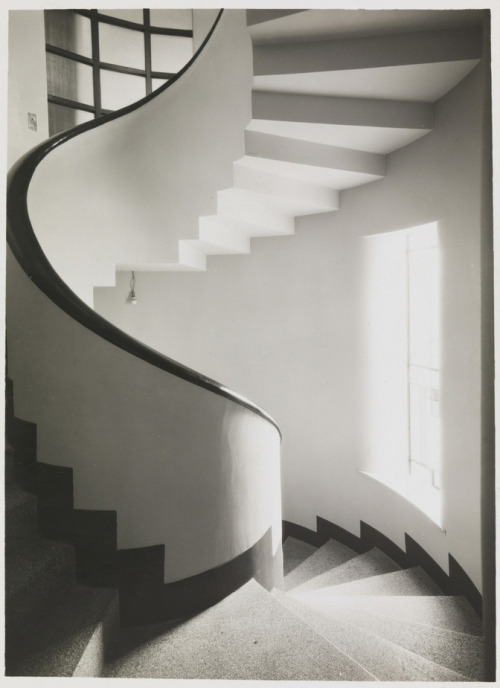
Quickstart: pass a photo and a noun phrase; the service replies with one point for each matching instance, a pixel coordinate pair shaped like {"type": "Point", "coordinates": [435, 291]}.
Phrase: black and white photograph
{"type": "Point", "coordinates": [249, 341]}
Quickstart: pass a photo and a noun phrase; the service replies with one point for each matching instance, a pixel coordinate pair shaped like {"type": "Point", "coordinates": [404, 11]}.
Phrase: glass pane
{"type": "Point", "coordinates": [170, 53]}
{"type": "Point", "coordinates": [62, 118]}
{"type": "Point", "coordinates": [69, 79]}
{"type": "Point", "coordinates": [120, 46]}
{"type": "Point", "coordinates": [136, 16]}
{"type": "Point", "coordinates": [172, 19]}
{"type": "Point", "coordinates": [68, 30]}
{"type": "Point", "coordinates": [156, 83]}
{"type": "Point", "coordinates": [118, 90]}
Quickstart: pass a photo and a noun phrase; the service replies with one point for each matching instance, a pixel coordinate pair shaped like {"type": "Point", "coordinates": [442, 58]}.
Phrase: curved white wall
{"type": "Point", "coordinates": [182, 466]}
{"type": "Point", "coordinates": [286, 327]}
{"type": "Point", "coordinates": [127, 192]}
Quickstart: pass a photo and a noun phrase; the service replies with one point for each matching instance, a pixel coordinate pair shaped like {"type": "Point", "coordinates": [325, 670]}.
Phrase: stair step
{"type": "Point", "coordinates": [259, 16]}
{"type": "Point", "coordinates": [263, 214]}
{"type": "Point", "coordinates": [372, 563]}
{"type": "Point", "coordinates": [20, 517]}
{"type": "Point", "coordinates": [294, 553]}
{"type": "Point", "coordinates": [406, 582]}
{"type": "Point", "coordinates": [71, 640]}
{"type": "Point", "coordinates": [304, 174]}
{"type": "Point", "coordinates": [248, 635]}
{"type": "Point", "coordinates": [36, 576]}
{"type": "Point", "coordinates": [382, 658]}
{"type": "Point", "coordinates": [461, 652]}
{"type": "Point", "coordinates": [393, 51]}
{"type": "Point", "coordinates": [306, 153]}
{"type": "Point", "coordinates": [10, 464]}
{"type": "Point", "coordinates": [333, 110]}
{"type": "Point", "coordinates": [330, 555]}
{"type": "Point", "coordinates": [366, 138]}
{"type": "Point", "coordinates": [278, 181]}
{"type": "Point", "coordinates": [453, 613]}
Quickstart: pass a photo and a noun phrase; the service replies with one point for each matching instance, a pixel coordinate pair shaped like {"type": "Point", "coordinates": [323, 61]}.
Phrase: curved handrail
{"type": "Point", "coordinates": [28, 252]}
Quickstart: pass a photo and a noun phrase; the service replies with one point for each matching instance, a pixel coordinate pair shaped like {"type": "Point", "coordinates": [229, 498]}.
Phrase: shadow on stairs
{"type": "Point", "coordinates": [342, 617]}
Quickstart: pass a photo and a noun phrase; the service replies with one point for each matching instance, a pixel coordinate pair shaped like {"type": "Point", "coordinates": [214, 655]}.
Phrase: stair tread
{"type": "Point", "coordinates": [441, 611]}
{"type": "Point", "coordinates": [381, 657]}
{"type": "Point", "coordinates": [459, 651]}
{"type": "Point", "coordinates": [412, 581]}
{"type": "Point", "coordinates": [55, 645]}
{"type": "Point", "coordinates": [294, 553]}
{"type": "Point", "coordinates": [331, 554]}
{"type": "Point", "coordinates": [372, 563]}
{"type": "Point", "coordinates": [248, 635]}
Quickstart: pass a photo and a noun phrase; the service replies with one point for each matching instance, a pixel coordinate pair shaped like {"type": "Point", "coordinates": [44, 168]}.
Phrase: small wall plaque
{"type": "Point", "coordinates": [32, 121]}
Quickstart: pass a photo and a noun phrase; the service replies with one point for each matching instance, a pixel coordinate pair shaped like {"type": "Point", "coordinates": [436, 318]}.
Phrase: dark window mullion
{"type": "Point", "coordinates": [73, 104]}
{"type": "Point", "coordinates": [123, 70]}
{"type": "Point", "coordinates": [62, 52]}
{"type": "Point", "coordinates": [94, 27]}
{"type": "Point", "coordinates": [147, 51]}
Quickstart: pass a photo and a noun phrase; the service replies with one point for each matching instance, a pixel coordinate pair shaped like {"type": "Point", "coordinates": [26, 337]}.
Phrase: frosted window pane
{"type": "Point", "coordinates": [121, 46]}
{"type": "Point", "coordinates": [156, 83]}
{"type": "Point", "coordinates": [69, 31]}
{"type": "Point", "coordinates": [69, 79]}
{"type": "Point", "coordinates": [172, 19]}
{"type": "Point", "coordinates": [136, 16]}
{"type": "Point", "coordinates": [62, 118]}
{"type": "Point", "coordinates": [118, 90]}
{"type": "Point", "coordinates": [170, 53]}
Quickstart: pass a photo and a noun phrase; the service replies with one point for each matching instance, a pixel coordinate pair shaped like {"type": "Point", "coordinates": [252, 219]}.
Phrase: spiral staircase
{"type": "Point", "coordinates": [330, 102]}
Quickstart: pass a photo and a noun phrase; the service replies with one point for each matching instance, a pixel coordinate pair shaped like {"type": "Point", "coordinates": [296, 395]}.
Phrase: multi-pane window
{"type": "Point", "coordinates": [99, 61]}
{"type": "Point", "coordinates": [423, 356]}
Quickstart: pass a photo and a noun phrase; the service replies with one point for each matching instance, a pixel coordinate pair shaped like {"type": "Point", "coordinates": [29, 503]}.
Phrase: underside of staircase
{"type": "Point", "coordinates": [330, 101]}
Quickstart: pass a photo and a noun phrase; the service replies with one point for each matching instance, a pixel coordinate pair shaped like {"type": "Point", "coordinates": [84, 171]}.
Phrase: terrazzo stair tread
{"type": "Point", "coordinates": [412, 581]}
{"type": "Point", "coordinates": [71, 639]}
{"type": "Point", "coordinates": [20, 516]}
{"type": "Point", "coordinates": [248, 635]}
{"type": "Point", "coordinates": [294, 553]}
{"type": "Point", "coordinates": [36, 576]}
{"type": "Point", "coordinates": [461, 652]}
{"type": "Point", "coordinates": [371, 563]}
{"type": "Point", "coordinates": [448, 612]}
{"type": "Point", "coordinates": [330, 555]}
{"type": "Point", "coordinates": [382, 658]}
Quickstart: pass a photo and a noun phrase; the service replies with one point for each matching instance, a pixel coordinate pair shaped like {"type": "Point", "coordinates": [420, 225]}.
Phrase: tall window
{"type": "Point", "coordinates": [98, 62]}
{"type": "Point", "coordinates": [402, 363]}
{"type": "Point", "coordinates": [423, 356]}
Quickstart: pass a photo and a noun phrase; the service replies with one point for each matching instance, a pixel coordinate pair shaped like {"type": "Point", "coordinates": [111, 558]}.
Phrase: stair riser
{"type": "Point", "coordinates": [306, 153]}
{"type": "Point", "coordinates": [358, 112]}
{"type": "Point", "coordinates": [267, 222]}
{"type": "Point", "coordinates": [367, 53]}
{"type": "Point", "coordinates": [10, 466]}
{"type": "Point", "coordinates": [27, 603]}
{"type": "Point", "coordinates": [264, 182]}
{"type": "Point", "coordinates": [20, 524]}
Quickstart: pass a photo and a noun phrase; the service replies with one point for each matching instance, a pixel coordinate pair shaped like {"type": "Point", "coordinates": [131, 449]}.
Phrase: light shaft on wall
{"type": "Point", "coordinates": [132, 296]}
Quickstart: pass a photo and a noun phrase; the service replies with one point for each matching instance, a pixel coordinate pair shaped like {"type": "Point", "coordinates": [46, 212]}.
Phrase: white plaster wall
{"type": "Point", "coordinates": [128, 191]}
{"type": "Point", "coordinates": [285, 326]}
{"type": "Point", "coordinates": [181, 466]}
{"type": "Point", "coordinates": [27, 84]}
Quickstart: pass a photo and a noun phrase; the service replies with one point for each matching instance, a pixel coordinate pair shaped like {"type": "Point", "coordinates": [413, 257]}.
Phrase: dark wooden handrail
{"type": "Point", "coordinates": [28, 252]}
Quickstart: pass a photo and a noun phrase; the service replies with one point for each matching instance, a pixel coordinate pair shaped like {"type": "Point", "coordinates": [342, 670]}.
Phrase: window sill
{"type": "Point", "coordinates": [425, 498]}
